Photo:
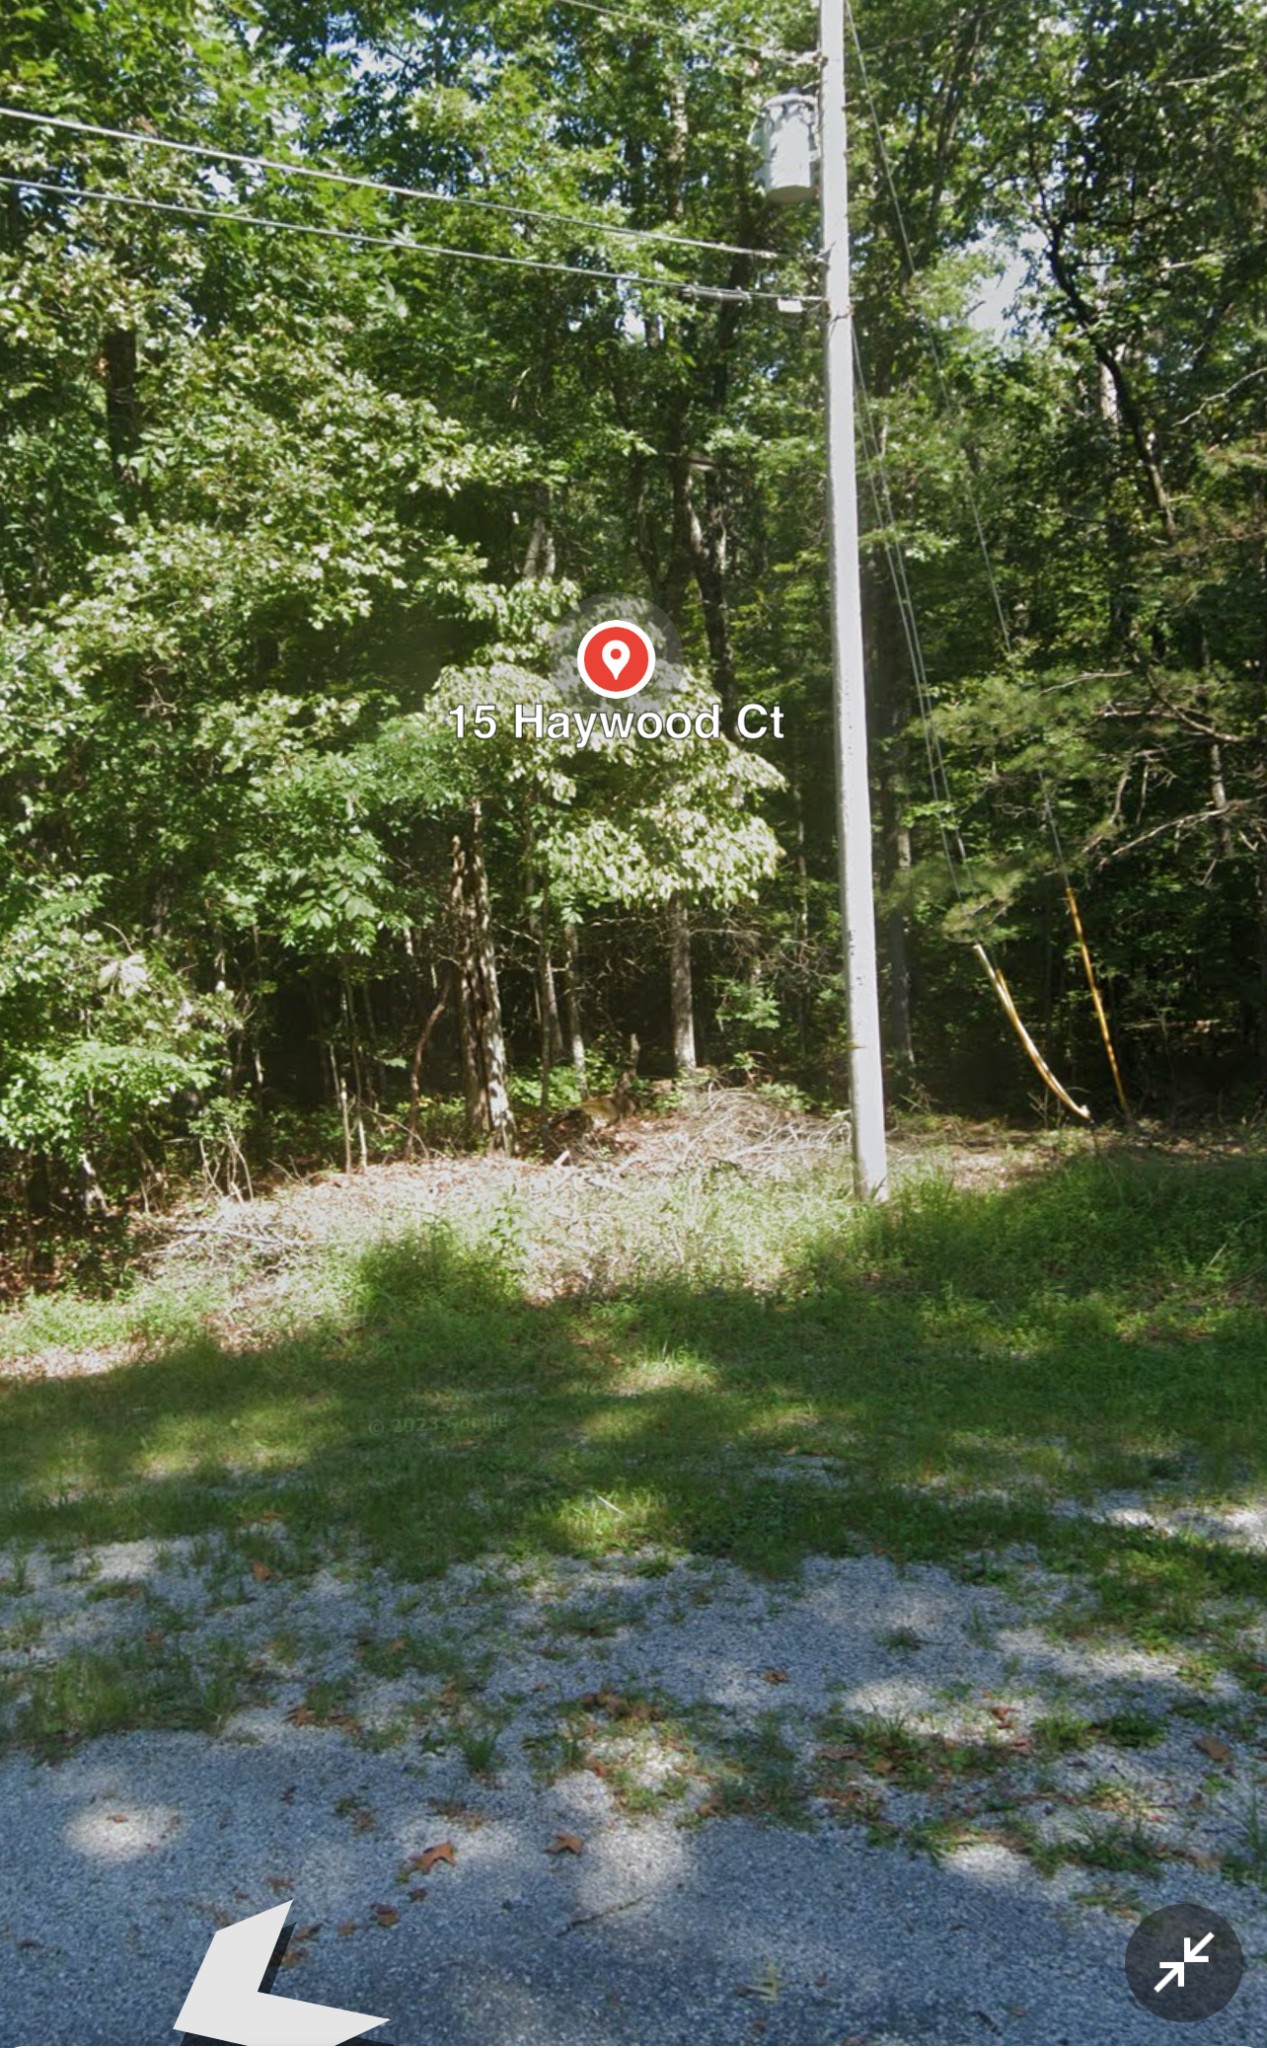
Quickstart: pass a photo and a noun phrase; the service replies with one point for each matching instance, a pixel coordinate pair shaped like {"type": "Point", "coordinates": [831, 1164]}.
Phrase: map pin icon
{"type": "Point", "coordinates": [615, 656]}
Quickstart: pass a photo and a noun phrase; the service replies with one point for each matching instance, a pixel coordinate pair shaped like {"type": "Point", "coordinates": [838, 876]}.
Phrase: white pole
{"type": "Point", "coordinates": [853, 794]}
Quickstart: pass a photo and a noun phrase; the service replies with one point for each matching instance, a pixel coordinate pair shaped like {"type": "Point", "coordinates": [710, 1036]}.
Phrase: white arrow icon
{"type": "Point", "coordinates": [226, 2003]}
{"type": "Point", "coordinates": [1191, 1954]}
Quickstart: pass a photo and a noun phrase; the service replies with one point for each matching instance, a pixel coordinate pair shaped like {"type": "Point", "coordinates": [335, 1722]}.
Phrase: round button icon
{"type": "Point", "coordinates": [616, 658]}
{"type": "Point", "coordinates": [1184, 1963]}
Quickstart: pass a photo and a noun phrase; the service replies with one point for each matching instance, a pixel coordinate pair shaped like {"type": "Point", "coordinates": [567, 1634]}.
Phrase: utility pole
{"type": "Point", "coordinates": [853, 792]}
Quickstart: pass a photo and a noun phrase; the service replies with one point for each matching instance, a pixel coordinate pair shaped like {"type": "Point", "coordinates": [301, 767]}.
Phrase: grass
{"type": "Point", "coordinates": [88, 1693]}
{"type": "Point", "coordinates": [950, 1362]}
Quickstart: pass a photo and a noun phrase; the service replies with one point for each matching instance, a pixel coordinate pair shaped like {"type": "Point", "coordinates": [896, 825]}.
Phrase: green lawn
{"type": "Point", "coordinates": [923, 1380]}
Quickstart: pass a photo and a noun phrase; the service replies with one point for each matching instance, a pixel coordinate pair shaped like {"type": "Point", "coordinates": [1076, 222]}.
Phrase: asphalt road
{"type": "Point", "coordinates": [119, 1861]}
{"type": "Point", "coordinates": [733, 1932]}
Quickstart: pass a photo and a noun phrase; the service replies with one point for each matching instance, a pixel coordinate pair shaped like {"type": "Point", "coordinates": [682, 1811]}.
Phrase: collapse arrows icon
{"type": "Point", "coordinates": [225, 2001]}
{"type": "Point", "coordinates": [1174, 1972]}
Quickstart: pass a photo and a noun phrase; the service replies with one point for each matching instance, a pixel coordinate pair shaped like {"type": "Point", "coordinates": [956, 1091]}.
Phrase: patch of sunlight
{"type": "Point", "coordinates": [611, 1425]}
{"type": "Point", "coordinates": [778, 1419]}
{"type": "Point", "coordinates": [676, 1369]}
{"type": "Point", "coordinates": [595, 1521]}
{"type": "Point", "coordinates": [131, 1561]}
{"type": "Point", "coordinates": [118, 1830]}
{"type": "Point", "coordinates": [180, 1446]}
{"type": "Point", "coordinates": [989, 1863]}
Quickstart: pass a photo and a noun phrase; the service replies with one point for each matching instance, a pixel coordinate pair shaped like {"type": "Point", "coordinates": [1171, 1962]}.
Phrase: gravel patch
{"type": "Point", "coordinates": [871, 1804]}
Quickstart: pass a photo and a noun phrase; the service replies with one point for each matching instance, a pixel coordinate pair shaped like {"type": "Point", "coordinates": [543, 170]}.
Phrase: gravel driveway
{"type": "Point", "coordinates": [671, 1803]}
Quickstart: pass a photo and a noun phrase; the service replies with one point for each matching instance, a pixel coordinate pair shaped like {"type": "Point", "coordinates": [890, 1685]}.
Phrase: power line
{"type": "Point", "coordinates": [741, 295]}
{"type": "Point", "coordinates": [996, 978]}
{"type": "Point", "coordinates": [953, 410]}
{"type": "Point", "coordinates": [332, 177]}
{"type": "Point", "coordinates": [886, 514]}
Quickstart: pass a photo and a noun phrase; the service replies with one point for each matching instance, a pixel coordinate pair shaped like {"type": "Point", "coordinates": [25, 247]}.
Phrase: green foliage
{"type": "Point", "coordinates": [272, 505]}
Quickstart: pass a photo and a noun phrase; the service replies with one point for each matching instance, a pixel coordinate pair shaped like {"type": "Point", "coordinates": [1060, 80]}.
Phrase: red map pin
{"type": "Point", "coordinates": [616, 659]}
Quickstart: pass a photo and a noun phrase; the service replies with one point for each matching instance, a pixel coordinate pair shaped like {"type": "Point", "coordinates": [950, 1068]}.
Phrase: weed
{"type": "Point", "coordinates": [1130, 1728]}
{"type": "Point", "coordinates": [1115, 1844]}
{"type": "Point", "coordinates": [1060, 1733]}
{"type": "Point", "coordinates": [1246, 1861]}
{"type": "Point", "coordinates": [88, 1693]}
{"type": "Point", "coordinates": [890, 1746]}
{"type": "Point", "coordinates": [902, 1639]}
{"type": "Point", "coordinates": [759, 1774]}
{"type": "Point", "coordinates": [478, 1747]}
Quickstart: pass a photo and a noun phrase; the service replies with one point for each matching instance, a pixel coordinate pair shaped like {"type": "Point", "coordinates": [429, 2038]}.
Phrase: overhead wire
{"type": "Point", "coordinates": [362, 238]}
{"type": "Point", "coordinates": [328, 175]}
{"type": "Point", "coordinates": [952, 408]}
{"type": "Point", "coordinates": [886, 518]}
{"type": "Point", "coordinates": [937, 767]}
{"type": "Point", "coordinates": [938, 776]}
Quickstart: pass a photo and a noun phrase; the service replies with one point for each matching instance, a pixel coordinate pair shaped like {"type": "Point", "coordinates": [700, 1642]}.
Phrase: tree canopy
{"type": "Point", "coordinates": [295, 459]}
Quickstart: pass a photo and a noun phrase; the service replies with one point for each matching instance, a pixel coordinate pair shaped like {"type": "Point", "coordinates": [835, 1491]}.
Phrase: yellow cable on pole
{"type": "Point", "coordinates": [1004, 994]}
{"type": "Point", "coordinates": [1093, 985]}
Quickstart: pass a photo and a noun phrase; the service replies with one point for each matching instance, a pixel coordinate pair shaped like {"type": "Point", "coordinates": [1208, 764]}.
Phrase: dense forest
{"type": "Point", "coordinates": [347, 353]}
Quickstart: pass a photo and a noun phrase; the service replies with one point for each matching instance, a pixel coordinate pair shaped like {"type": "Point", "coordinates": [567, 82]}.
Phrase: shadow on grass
{"type": "Point", "coordinates": [926, 1381]}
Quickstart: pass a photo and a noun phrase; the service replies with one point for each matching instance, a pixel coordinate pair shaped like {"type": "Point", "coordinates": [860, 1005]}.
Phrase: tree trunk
{"type": "Point", "coordinates": [709, 546]}
{"type": "Point", "coordinates": [488, 1109]}
{"type": "Point", "coordinates": [890, 695]}
{"type": "Point", "coordinates": [681, 995]}
{"type": "Point", "coordinates": [415, 1073]}
{"type": "Point", "coordinates": [123, 411]}
{"type": "Point", "coordinates": [547, 998]}
{"type": "Point", "coordinates": [539, 557]}
{"type": "Point", "coordinates": [572, 1003]}
{"type": "Point", "coordinates": [802, 957]}
{"type": "Point", "coordinates": [901, 1044]}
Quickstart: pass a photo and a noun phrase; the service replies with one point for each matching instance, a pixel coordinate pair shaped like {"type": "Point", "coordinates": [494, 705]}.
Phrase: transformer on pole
{"type": "Point", "coordinates": [786, 133]}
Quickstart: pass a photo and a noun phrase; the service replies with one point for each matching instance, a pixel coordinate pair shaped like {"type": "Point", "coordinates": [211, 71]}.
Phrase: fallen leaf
{"type": "Point", "coordinates": [565, 1844]}
{"type": "Point", "coordinates": [386, 1916]}
{"type": "Point", "coordinates": [347, 1927]}
{"type": "Point", "coordinates": [1003, 1715]}
{"type": "Point", "coordinates": [395, 1646]}
{"type": "Point", "coordinates": [441, 1852]}
{"type": "Point", "coordinates": [882, 1766]}
{"type": "Point", "coordinates": [775, 1676]}
{"type": "Point", "coordinates": [117, 1817]}
{"type": "Point", "coordinates": [300, 1716]}
{"type": "Point", "coordinates": [155, 1636]}
{"type": "Point", "coordinates": [1218, 1752]}
{"type": "Point", "coordinates": [261, 1571]}
{"type": "Point", "coordinates": [281, 1884]}
{"type": "Point", "coordinates": [418, 1892]}
{"type": "Point", "coordinates": [306, 1933]}
{"type": "Point", "coordinates": [1204, 1860]}
{"type": "Point", "coordinates": [837, 1752]}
